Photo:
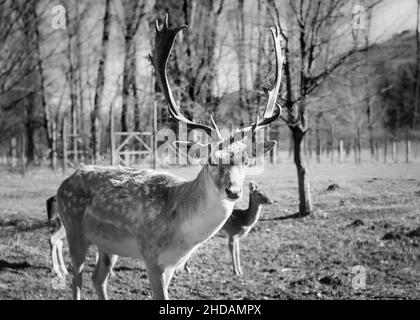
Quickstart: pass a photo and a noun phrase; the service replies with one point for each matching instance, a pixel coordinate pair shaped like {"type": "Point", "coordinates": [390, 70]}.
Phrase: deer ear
{"type": "Point", "coordinates": [252, 186]}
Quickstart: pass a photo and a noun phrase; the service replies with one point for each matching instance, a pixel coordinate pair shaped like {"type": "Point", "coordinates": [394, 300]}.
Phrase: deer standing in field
{"type": "Point", "coordinates": [158, 217]}
{"type": "Point", "coordinates": [241, 222]}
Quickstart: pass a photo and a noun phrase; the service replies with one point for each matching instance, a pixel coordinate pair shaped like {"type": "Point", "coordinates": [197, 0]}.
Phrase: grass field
{"type": "Point", "coordinates": [372, 220]}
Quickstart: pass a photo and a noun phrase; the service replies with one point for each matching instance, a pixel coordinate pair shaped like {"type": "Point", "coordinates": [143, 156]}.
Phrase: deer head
{"type": "Point", "coordinates": [258, 195]}
{"type": "Point", "coordinates": [226, 157]}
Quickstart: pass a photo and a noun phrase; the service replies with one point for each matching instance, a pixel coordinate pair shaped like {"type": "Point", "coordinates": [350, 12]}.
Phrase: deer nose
{"type": "Point", "coordinates": [233, 193]}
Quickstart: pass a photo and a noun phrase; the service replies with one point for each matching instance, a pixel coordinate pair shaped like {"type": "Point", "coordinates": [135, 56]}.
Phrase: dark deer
{"type": "Point", "coordinates": [241, 222]}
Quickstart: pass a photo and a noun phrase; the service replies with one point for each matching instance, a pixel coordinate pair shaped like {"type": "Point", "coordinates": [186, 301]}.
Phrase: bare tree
{"type": "Point", "coordinates": [240, 52]}
{"type": "Point", "coordinates": [133, 15]}
{"type": "Point", "coordinates": [417, 74]}
{"type": "Point", "coordinates": [100, 82]}
{"type": "Point", "coordinates": [313, 20]}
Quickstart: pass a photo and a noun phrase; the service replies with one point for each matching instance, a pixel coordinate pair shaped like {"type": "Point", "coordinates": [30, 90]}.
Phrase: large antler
{"type": "Point", "coordinates": [272, 110]}
{"type": "Point", "coordinates": [164, 41]}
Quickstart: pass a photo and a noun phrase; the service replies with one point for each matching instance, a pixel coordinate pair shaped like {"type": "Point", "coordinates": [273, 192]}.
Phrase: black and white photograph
{"type": "Point", "coordinates": [210, 150]}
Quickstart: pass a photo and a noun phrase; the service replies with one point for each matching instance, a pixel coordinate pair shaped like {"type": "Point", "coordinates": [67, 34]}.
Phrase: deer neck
{"type": "Point", "coordinates": [207, 210]}
{"type": "Point", "coordinates": [254, 211]}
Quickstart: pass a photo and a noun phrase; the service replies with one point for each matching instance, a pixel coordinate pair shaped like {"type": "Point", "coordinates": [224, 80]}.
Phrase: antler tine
{"type": "Point", "coordinates": [164, 41]}
{"type": "Point", "coordinates": [273, 92]}
{"type": "Point", "coordinates": [219, 135]}
{"type": "Point", "coordinates": [272, 110]}
{"type": "Point", "coordinates": [166, 21]}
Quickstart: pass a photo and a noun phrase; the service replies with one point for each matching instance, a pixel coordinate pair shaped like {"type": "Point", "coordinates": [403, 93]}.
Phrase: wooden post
{"type": "Point", "coordinates": [75, 151]}
{"type": "Point", "coordinates": [111, 134]}
{"type": "Point", "coordinates": [13, 153]}
{"type": "Point", "coordinates": [332, 143]}
{"type": "Point", "coordinates": [273, 153]}
{"type": "Point", "coordinates": [407, 150]}
{"type": "Point", "coordinates": [341, 151]}
{"type": "Point", "coordinates": [54, 146]}
{"type": "Point", "coordinates": [377, 151]}
{"type": "Point", "coordinates": [310, 148]}
{"type": "Point", "coordinates": [230, 127]}
{"type": "Point", "coordinates": [385, 145]}
{"type": "Point", "coordinates": [155, 130]}
{"type": "Point", "coordinates": [394, 152]}
{"type": "Point", "coordinates": [359, 146]}
{"type": "Point", "coordinates": [22, 155]}
{"type": "Point", "coordinates": [318, 151]}
{"type": "Point", "coordinates": [64, 137]}
{"type": "Point", "coordinates": [355, 151]}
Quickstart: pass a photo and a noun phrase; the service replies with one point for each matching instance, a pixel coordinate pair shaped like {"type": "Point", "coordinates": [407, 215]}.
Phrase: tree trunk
{"type": "Point", "coordinates": [385, 144]}
{"type": "Point", "coordinates": [260, 53]}
{"type": "Point", "coordinates": [332, 143]}
{"type": "Point", "coordinates": [305, 202]}
{"type": "Point", "coordinates": [318, 138]}
{"type": "Point", "coordinates": [417, 74]}
{"type": "Point", "coordinates": [359, 147]}
{"type": "Point", "coordinates": [129, 54]}
{"type": "Point", "coordinates": [46, 113]}
{"type": "Point", "coordinates": [240, 50]}
{"type": "Point", "coordinates": [96, 114]}
{"type": "Point", "coordinates": [135, 95]}
{"type": "Point", "coordinates": [71, 74]}
{"type": "Point", "coordinates": [30, 129]}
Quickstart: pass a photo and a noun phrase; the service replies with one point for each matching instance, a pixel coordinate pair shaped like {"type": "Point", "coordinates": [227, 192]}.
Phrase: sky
{"type": "Point", "coordinates": [392, 17]}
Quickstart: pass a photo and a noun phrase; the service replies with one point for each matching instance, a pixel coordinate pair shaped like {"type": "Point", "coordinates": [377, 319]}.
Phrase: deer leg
{"type": "Point", "coordinates": [55, 243]}
{"type": "Point", "coordinates": [53, 251]}
{"type": "Point", "coordinates": [232, 254]}
{"type": "Point", "coordinates": [237, 255]}
{"type": "Point", "coordinates": [101, 273]}
{"type": "Point", "coordinates": [78, 248]}
{"type": "Point", "coordinates": [159, 280]}
{"type": "Point", "coordinates": [60, 257]}
{"type": "Point", "coordinates": [168, 273]}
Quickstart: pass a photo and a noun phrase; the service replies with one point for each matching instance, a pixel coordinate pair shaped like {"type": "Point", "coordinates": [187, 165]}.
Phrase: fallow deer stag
{"type": "Point", "coordinates": [158, 217]}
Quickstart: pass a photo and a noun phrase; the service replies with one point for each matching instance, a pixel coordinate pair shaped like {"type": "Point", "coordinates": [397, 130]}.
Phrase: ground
{"type": "Point", "coordinates": [369, 224]}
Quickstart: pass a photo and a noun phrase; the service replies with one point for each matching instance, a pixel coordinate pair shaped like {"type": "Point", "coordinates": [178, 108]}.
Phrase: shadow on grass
{"type": "Point", "coordinates": [13, 265]}
{"type": "Point", "coordinates": [18, 265]}
{"type": "Point", "coordinates": [290, 216]}
{"type": "Point", "coordinates": [23, 225]}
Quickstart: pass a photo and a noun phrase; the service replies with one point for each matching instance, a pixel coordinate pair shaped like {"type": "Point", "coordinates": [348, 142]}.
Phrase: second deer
{"type": "Point", "coordinates": [241, 222]}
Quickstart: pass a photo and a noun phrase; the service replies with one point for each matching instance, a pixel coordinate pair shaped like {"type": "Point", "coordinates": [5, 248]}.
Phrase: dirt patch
{"type": "Point", "coordinates": [333, 187]}
{"type": "Point", "coordinates": [414, 233]}
{"type": "Point", "coordinates": [13, 265]}
{"type": "Point", "coordinates": [356, 223]}
{"type": "Point", "coordinates": [330, 281]}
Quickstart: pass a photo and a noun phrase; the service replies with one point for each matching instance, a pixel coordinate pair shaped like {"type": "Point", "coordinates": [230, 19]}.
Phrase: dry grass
{"type": "Point", "coordinates": [310, 258]}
